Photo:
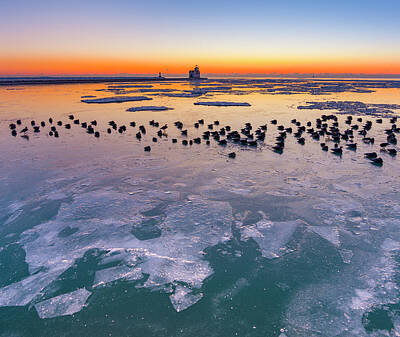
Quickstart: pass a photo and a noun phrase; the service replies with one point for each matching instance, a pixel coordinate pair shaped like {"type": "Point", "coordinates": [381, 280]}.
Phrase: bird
{"type": "Point", "coordinates": [371, 155]}
{"type": "Point", "coordinates": [337, 150]}
{"type": "Point", "coordinates": [377, 161]}
{"type": "Point", "coordinates": [352, 146]}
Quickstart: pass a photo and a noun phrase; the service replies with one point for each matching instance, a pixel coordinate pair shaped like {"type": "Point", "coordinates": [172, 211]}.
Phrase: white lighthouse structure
{"type": "Point", "coordinates": [195, 73]}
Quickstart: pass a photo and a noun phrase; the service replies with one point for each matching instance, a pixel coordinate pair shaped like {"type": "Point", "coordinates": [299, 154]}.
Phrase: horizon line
{"type": "Point", "coordinates": [299, 75]}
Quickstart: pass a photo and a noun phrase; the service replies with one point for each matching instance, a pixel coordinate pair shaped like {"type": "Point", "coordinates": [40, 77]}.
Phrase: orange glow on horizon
{"type": "Point", "coordinates": [10, 66]}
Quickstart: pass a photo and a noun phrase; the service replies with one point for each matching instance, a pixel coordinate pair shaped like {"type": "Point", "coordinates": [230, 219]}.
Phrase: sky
{"type": "Point", "coordinates": [51, 37]}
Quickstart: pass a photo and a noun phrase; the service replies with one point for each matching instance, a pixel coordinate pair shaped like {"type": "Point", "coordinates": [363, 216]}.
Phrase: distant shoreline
{"type": "Point", "coordinates": [15, 81]}
{"type": "Point", "coordinates": [76, 80]}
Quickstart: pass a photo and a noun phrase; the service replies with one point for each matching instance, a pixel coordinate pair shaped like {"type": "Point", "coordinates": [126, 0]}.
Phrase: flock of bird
{"type": "Point", "coordinates": [246, 136]}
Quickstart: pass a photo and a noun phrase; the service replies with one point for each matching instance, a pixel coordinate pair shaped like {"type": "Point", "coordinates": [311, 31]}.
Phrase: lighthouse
{"type": "Point", "coordinates": [195, 73]}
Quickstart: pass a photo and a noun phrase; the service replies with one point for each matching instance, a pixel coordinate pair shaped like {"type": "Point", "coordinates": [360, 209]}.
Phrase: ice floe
{"type": "Point", "coordinates": [329, 233]}
{"type": "Point", "coordinates": [106, 276]}
{"type": "Point", "coordinates": [352, 107]}
{"type": "Point", "coordinates": [222, 103]}
{"type": "Point", "coordinates": [183, 298]}
{"type": "Point", "coordinates": [62, 305]}
{"type": "Point", "coordinates": [117, 99]}
{"type": "Point", "coordinates": [148, 108]}
{"type": "Point", "coordinates": [271, 236]}
{"type": "Point", "coordinates": [189, 227]}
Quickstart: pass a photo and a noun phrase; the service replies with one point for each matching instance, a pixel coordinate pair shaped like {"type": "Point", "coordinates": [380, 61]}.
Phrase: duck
{"type": "Point", "coordinates": [232, 155]}
{"type": "Point", "coordinates": [147, 148]}
{"type": "Point", "coordinates": [67, 126]}
{"type": "Point", "coordinates": [337, 150]}
{"type": "Point", "coordinates": [222, 142]}
{"type": "Point", "coordinates": [352, 146]}
{"type": "Point", "coordinates": [97, 134]}
{"type": "Point", "coordinates": [377, 161]}
{"type": "Point", "coordinates": [371, 155]}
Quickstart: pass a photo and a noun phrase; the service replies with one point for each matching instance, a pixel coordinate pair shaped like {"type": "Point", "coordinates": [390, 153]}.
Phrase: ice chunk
{"type": "Point", "coordinates": [66, 304]}
{"type": "Point", "coordinates": [183, 298]}
{"type": "Point", "coordinates": [117, 99]}
{"type": "Point", "coordinates": [271, 236]}
{"type": "Point", "coordinates": [346, 255]}
{"type": "Point", "coordinates": [222, 103]}
{"type": "Point", "coordinates": [23, 292]}
{"type": "Point", "coordinates": [330, 234]}
{"type": "Point", "coordinates": [390, 245]}
{"type": "Point", "coordinates": [109, 275]}
{"type": "Point", "coordinates": [148, 108]}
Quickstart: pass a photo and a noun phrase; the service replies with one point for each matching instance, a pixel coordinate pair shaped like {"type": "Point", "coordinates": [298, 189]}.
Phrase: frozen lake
{"type": "Point", "coordinates": [100, 238]}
